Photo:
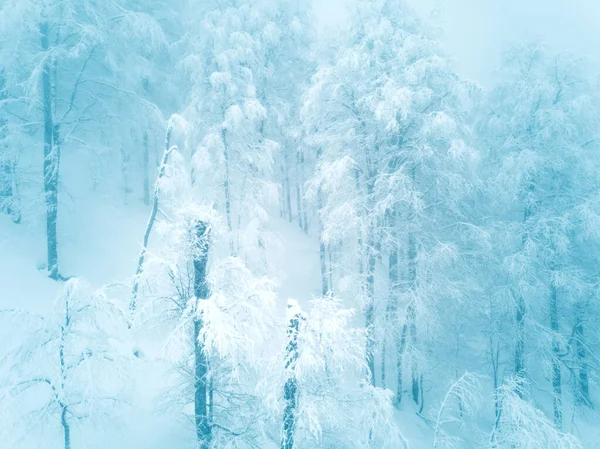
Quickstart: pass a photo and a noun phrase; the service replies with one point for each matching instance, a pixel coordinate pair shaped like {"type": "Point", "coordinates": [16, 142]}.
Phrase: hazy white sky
{"type": "Point", "coordinates": [474, 30]}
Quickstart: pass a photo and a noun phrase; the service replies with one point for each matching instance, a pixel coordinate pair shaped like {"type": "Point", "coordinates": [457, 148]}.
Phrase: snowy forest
{"type": "Point", "coordinates": [226, 225]}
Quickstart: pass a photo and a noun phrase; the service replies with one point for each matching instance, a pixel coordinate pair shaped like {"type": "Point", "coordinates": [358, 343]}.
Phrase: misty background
{"type": "Point", "coordinates": [475, 31]}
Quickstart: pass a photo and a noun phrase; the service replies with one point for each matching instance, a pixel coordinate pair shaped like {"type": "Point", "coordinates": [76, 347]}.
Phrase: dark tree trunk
{"type": "Point", "coordinates": [583, 385]}
{"type": "Point", "coordinates": [290, 391]}
{"type": "Point", "coordinates": [6, 180]}
{"type": "Point", "coordinates": [227, 192]}
{"type": "Point", "coordinates": [125, 173]}
{"type": "Point", "coordinates": [145, 170]}
{"type": "Point", "coordinates": [63, 374]}
{"type": "Point", "coordinates": [299, 194]}
{"type": "Point", "coordinates": [325, 287]}
{"type": "Point", "coordinates": [287, 187]}
{"type": "Point", "coordinates": [146, 151]}
{"type": "Point", "coordinates": [495, 359]}
{"type": "Point", "coordinates": [401, 348]}
{"type": "Point", "coordinates": [392, 305]}
{"type": "Point", "coordinates": [299, 202]}
{"type": "Point", "coordinates": [330, 268]}
{"type": "Point", "coordinates": [412, 315]}
{"type": "Point", "coordinates": [66, 427]}
{"type": "Point", "coordinates": [370, 309]}
{"type": "Point", "coordinates": [370, 276]}
{"type": "Point", "coordinates": [201, 381]}
{"type": "Point", "coordinates": [520, 343]}
{"type": "Point", "coordinates": [521, 311]}
{"type": "Point", "coordinates": [152, 219]}
{"type": "Point", "coordinates": [301, 185]}
{"type": "Point", "coordinates": [50, 158]}
{"type": "Point", "coordinates": [6, 160]}
{"type": "Point", "coordinates": [556, 375]}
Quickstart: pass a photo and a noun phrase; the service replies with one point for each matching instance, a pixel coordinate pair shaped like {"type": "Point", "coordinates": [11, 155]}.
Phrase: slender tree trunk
{"type": "Point", "coordinates": [520, 344]}
{"type": "Point", "coordinates": [325, 287]}
{"type": "Point", "coordinates": [145, 170]}
{"type": "Point", "coordinates": [370, 280]}
{"type": "Point", "coordinates": [301, 186]}
{"type": "Point", "coordinates": [146, 151]}
{"type": "Point", "coordinates": [286, 186]}
{"type": "Point", "coordinates": [152, 219]}
{"type": "Point", "coordinates": [411, 313]}
{"type": "Point", "coordinates": [556, 375]}
{"type": "Point", "coordinates": [582, 382]}
{"type": "Point", "coordinates": [330, 268]}
{"type": "Point", "coordinates": [325, 290]}
{"type": "Point", "coordinates": [50, 158]}
{"type": "Point", "coordinates": [495, 359]}
{"type": "Point", "coordinates": [125, 174]}
{"type": "Point", "coordinates": [299, 194]}
{"type": "Point", "coordinates": [6, 179]}
{"type": "Point", "coordinates": [280, 195]}
{"type": "Point", "coordinates": [201, 381]}
{"type": "Point", "coordinates": [227, 192]}
{"type": "Point", "coordinates": [290, 392]}
{"type": "Point", "coordinates": [391, 314]}
{"type": "Point", "coordinates": [66, 427]}
{"type": "Point", "coordinates": [520, 317]}
{"type": "Point", "coordinates": [63, 374]}
{"type": "Point", "coordinates": [6, 161]}
{"type": "Point", "coordinates": [370, 313]}
{"type": "Point", "coordinates": [401, 348]}
{"type": "Point", "coordinates": [264, 269]}
{"type": "Point", "coordinates": [299, 201]}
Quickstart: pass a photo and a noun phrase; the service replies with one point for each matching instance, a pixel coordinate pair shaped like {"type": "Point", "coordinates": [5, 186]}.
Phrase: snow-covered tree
{"type": "Point", "coordinates": [65, 87]}
{"type": "Point", "coordinates": [392, 147]}
{"type": "Point", "coordinates": [71, 366]}
{"type": "Point", "coordinates": [540, 130]}
{"type": "Point", "coordinates": [335, 405]}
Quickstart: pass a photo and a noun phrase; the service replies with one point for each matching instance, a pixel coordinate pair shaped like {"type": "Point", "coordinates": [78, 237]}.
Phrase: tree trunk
{"type": "Point", "coordinates": [286, 186]}
{"type": "Point", "coordinates": [6, 159]}
{"type": "Point", "coordinates": [520, 344]}
{"type": "Point", "coordinates": [152, 219]}
{"type": "Point", "coordinates": [411, 314]}
{"type": "Point", "coordinates": [145, 170]}
{"type": "Point", "coordinates": [146, 151]}
{"type": "Point", "coordinates": [495, 360]}
{"type": "Point", "coordinates": [290, 391]}
{"type": "Point", "coordinates": [63, 373]}
{"type": "Point", "coordinates": [370, 274]}
{"type": "Point", "coordinates": [556, 375]}
{"type": "Point", "coordinates": [400, 349]}
{"type": "Point", "coordinates": [6, 179]}
{"type": "Point", "coordinates": [125, 174]}
{"type": "Point", "coordinates": [227, 192]}
{"type": "Point", "coordinates": [50, 158]}
{"type": "Point", "coordinates": [299, 202]}
{"type": "Point", "coordinates": [391, 314]}
{"type": "Point", "coordinates": [201, 381]}
{"type": "Point", "coordinates": [325, 288]}
{"type": "Point", "coordinates": [370, 312]}
{"type": "Point", "coordinates": [299, 193]}
{"type": "Point", "coordinates": [330, 268]}
{"type": "Point", "coordinates": [521, 311]}
{"type": "Point", "coordinates": [66, 427]}
{"type": "Point", "coordinates": [301, 185]}
{"type": "Point", "coordinates": [583, 386]}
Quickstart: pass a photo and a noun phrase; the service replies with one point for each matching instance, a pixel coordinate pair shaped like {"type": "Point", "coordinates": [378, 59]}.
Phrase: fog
{"type": "Point", "coordinates": [474, 31]}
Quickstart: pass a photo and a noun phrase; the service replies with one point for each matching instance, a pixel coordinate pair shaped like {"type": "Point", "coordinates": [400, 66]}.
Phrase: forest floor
{"type": "Point", "coordinates": [100, 242]}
